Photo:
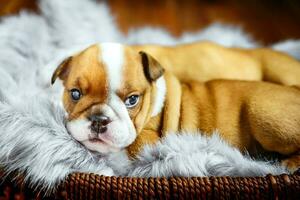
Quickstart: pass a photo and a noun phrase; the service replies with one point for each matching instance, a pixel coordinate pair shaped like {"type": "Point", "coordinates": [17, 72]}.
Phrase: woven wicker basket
{"type": "Point", "coordinates": [91, 186]}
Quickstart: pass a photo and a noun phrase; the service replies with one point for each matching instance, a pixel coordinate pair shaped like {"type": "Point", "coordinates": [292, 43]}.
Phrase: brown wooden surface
{"type": "Point", "coordinates": [267, 20]}
{"type": "Point", "coordinates": [13, 6]}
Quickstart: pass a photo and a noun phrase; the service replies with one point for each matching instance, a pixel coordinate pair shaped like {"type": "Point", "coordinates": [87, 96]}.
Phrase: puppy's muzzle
{"type": "Point", "coordinates": [99, 123]}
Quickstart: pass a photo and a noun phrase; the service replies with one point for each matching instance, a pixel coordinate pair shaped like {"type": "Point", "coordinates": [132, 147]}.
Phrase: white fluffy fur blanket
{"type": "Point", "coordinates": [33, 138]}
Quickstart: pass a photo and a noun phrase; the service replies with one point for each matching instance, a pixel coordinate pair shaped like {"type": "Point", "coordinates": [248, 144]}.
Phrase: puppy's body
{"type": "Point", "coordinates": [248, 115]}
{"type": "Point", "coordinates": [203, 61]}
{"type": "Point", "coordinates": [117, 98]}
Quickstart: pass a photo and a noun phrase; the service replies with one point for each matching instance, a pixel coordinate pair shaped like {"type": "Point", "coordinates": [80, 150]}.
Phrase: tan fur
{"type": "Point", "coordinates": [247, 114]}
{"type": "Point", "coordinates": [203, 61]}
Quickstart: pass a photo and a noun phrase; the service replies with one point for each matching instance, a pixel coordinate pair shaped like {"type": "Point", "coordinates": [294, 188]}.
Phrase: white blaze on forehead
{"type": "Point", "coordinates": [112, 55]}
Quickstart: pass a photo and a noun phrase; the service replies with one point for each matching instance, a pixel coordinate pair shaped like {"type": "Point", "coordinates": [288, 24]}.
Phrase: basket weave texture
{"type": "Point", "coordinates": [91, 186]}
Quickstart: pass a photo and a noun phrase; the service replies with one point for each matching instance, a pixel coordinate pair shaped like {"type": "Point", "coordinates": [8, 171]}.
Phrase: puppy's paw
{"type": "Point", "coordinates": [292, 163]}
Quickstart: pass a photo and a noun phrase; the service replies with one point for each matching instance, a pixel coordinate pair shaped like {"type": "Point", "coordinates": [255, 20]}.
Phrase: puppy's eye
{"type": "Point", "coordinates": [132, 101]}
{"type": "Point", "coordinates": [75, 94]}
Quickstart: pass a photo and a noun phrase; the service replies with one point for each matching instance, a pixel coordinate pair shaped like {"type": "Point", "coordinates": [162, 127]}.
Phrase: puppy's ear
{"type": "Point", "coordinates": [62, 70]}
{"type": "Point", "coordinates": [152, 68]}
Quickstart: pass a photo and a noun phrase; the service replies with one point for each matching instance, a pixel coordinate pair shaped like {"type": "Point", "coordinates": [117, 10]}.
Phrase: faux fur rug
{"type": "Point", "coordinates": [33, 138]}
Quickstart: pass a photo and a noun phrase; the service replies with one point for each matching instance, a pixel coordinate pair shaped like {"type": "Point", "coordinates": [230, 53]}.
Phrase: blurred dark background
{"type": "Point", "coordinates": [267, 20]}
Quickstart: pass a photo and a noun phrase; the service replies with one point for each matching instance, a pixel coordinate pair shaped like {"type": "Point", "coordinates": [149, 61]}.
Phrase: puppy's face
{"type": "Point", "coordinates": [110, 92]}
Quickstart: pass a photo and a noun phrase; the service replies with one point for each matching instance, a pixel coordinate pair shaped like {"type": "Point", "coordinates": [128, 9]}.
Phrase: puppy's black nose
{"type": "Point", "coordinates": [102, 119]}
{"type": "Point", "coordinates": [99, 123]}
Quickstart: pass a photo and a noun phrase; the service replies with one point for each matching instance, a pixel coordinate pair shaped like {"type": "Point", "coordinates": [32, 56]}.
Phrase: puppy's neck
{"type": "Point", "coordinates": [172, 104]}
{"type": "Point", "coordinates": [167, 105]}
{"type": "Point", "coordinates": [166, 108]}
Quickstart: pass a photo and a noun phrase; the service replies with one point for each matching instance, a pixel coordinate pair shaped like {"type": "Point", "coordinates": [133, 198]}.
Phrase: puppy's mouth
{"type": "Point", "coordinates": [101, 142]}
{"type": "Point", "coordinates": [100, 139]}
{"type": "Point", "coordinates": [96, 140]}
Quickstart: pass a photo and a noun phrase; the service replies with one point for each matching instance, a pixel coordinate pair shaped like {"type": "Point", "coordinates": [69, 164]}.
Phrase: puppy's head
{"type": "Point", "coordinates": [110, 91]}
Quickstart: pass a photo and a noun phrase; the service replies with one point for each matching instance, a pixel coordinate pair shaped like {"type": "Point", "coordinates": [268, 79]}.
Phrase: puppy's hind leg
{"type": "Point", "coordinates": [275, 123]}
{"type": "Point", "coordinates": [292, 162]}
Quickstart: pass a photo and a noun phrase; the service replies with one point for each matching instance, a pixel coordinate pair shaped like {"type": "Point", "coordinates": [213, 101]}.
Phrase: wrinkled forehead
{"type": "Point", "coordinates": [109, 67]}
{"type": "Point", "coordinates": [122, 66]}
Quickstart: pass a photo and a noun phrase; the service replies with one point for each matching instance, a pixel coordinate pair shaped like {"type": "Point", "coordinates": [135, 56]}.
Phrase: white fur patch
{"type": "Point", "coordinates": [79, 129]}
{"type": "Point", "coordinates": [160, 96]}
{"type": "Point", "coordinates": [123, 128]}
{"type": "Point", "coordinates": [113, 57]}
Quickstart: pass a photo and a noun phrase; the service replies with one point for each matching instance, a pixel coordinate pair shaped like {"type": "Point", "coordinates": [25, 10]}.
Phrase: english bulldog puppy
{"type": "Point", "coordinates": [117, 97]}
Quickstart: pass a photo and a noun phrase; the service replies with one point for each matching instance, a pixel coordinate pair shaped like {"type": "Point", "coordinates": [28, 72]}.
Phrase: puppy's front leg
{"type": "Point", "coordinates": [143, 138]}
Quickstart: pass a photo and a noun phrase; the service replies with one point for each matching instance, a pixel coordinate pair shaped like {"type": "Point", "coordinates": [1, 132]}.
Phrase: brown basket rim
{"type": "Point", "coordinates": [94, 186]}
